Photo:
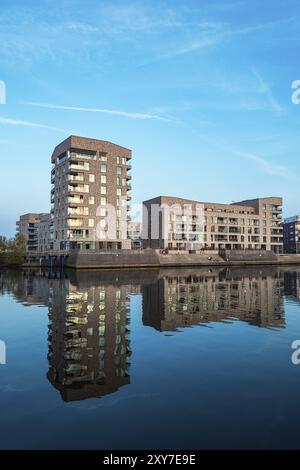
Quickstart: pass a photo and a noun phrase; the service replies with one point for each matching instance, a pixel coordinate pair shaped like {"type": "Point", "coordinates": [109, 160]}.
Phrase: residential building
{"type": "Point", "coordinates": [90, 195]}
{"type": "Point", "coordinates": [135, 235]}
{"type": "Point", "coordinates": [44, 233]}
{"type": "Point", "coordinates": [28, 226]}
{"type": "Point", "coordinates": [182, 224]}
{"type": "Point", "coordinates": [291, 234]}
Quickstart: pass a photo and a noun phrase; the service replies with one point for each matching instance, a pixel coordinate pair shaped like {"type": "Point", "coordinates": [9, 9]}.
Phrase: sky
{"type": "Point", "coordinates": [200, 90]}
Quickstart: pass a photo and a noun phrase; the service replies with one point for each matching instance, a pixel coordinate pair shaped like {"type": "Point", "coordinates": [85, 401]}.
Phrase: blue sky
{"type": "Point", "coordinates": [199, 90]}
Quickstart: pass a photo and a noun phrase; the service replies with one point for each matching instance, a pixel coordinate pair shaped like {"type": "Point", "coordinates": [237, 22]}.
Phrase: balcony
{"type": "Point", "coordinates": [75, 223]}
{"type": "Point", "coordinates": [75, 200]}
{"type": "Point", "coordinates": [78, 234]}
{"type": "Point", "coordinates": [276, 240]}
{"type": "Point", "coordinates": [80, 212]}
{"type": "Point", "coordinates": [76, 177]}
{"type": "Point", "coordinates": [83, 155]}
{"type": "Point", "coordinates": [277, 209]}
{"type": "Point", "coordinates": [221, 238]}
{"type": "Point", "coordinates": [78, 188]}
{"type": "Point", "coordinates": [222, 229]}
{"type": "Point", "coordinates": [75, 166]}
{"type": "Point", "coordinates": [234, 230]}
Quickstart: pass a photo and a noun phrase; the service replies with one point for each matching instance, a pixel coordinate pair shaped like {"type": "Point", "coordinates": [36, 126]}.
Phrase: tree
{"type": "Point", "coordinates": [3, 243]}
{"type": "Point", "coordinates": [12, 250]}
{"type": "Point", "coordinates": [20, 243]}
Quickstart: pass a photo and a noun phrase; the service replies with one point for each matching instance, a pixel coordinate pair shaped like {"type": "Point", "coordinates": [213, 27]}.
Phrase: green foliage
{"type": "Point", "coordinates": [3, 243]}
{"type": "Point", "coordinates": [12, 250]}
{"type": "Point", "coordinates": [12, 258]}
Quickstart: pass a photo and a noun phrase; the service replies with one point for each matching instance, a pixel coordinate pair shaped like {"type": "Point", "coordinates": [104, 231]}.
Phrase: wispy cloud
{"type": "Point", "coordinates": [210, 34]}
{"type": "Point", "coordinates": [114, 112]}
{"type": "Point", "coordinates": [266, 166]}
{"type": "Point", "coordinates": [22, 123]}
{"type": "Point", "coordinates": [265, 89]}
{"type": "Point", "coordinates": [18, 122]}
{"type": "Point", "coordinates": [192, 46]}
{"type": "Point", "coordinates": [270, 168]}
{"type": "Point", "coordinates": [81, 27]}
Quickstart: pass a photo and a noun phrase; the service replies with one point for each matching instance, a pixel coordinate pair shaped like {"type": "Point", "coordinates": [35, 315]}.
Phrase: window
{"type": "Point", "coordinates": [91, 222]}
{"type": "Point", "coordinates": [103, 190]}
{"type": "Point", "coordinates": [91, 200]}
{"type": "Point", "coordinates": [103, 167]}
{"type": "Point", "coordinates": [102, 212]}
{"type": "Point", "coordinates": [124, 160]}
{"type": "Point", "coordinates": [92, 178]}
{"type": "Point", "coordinates": [102, 223]}
{"type": "Point", "coordinates": [103, 201]}
{"type": "Point", "coordinates": [118, 181]}
{"type": "Point", "coordinates": [119, 170]}
{"type": "Point", "coordinates": [119, 192]}
{"type": "Point", "coordinates": [103, 179]}
{"type": "Point", "coordinates": [123, 181]}
{"type": "Point", "coordinates": [103, 158]}
{"type": "Point", "coordinates": [118, 160]}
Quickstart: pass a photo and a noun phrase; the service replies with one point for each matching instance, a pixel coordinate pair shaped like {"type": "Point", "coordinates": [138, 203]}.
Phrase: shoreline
{"type": "Point", "coordinates": [154, 259]}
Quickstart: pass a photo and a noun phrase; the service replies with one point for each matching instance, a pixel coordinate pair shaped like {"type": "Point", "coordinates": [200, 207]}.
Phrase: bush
{"type": "Point", "coordinates": [12, 251]}
{"type": "Point", "coordinates": [13, 258]}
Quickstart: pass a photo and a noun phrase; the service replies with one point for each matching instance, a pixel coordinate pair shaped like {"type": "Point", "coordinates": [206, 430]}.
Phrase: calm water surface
{"type": "Point", "coordinates": [174, 359]}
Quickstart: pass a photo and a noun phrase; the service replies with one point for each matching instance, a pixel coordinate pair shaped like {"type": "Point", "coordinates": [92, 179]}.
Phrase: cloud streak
{"type": "Point", "coordinates": [22, 123]}
{"type": "Point", "coordinates": [142, 116]}
{"type": "Point", "coordinates": [271, 169]}
{"type": "Point", "coordinates": [265, 89]}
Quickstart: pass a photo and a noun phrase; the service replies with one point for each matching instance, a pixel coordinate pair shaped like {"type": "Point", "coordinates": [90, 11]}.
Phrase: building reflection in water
{"type": "Point", "coordinates": [292, 285]}
{"type": "Point", "coordinates": [89, 345]}
{"type": "Point", "coordinates": [89, 336]}
{"type": "Point", "coordinates": [178, 299]}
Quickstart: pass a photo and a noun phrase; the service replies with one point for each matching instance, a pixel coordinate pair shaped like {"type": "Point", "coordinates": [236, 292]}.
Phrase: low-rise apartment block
{"type": "Point", "coordinates": [291, 234]}
{"type": "Point", "coordinates": [90, 196]}
{"type": "Point", "coordinates": [181, 224]}
{"type": "Point", "coordinates": [45, 233]}
{"type": "Point", "coordinates": [29, 226]}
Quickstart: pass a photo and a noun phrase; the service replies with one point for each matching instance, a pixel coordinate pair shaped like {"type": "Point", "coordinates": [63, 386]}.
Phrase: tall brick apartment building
{"type": "Point", "coordinates": [182, 224]}
{"type": "Point", "coordinates": [88, 177]}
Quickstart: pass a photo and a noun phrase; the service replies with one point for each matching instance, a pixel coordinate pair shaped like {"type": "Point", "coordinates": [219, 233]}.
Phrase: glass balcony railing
{"type": "Point", "coordinates": [80, 188]}
{"type": "Point", "coordinates": [74, 166]}
{"type": "Point", "coordinates": [75, 200]}
{"type": "Point", "coordinates": [75, 177]}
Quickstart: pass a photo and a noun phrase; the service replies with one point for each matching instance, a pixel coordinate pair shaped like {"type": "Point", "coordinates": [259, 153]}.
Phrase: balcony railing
{"type": "Point", "coordinates": [78, 188]}
{"type": "Point", "coordinates": [75, 200]}
{"type": "Point", "coordinates": [75, 223]}
{"type": "Point", "coordinates": [78, 166]}
{"type": "Point", "coordinates": [75, 177]}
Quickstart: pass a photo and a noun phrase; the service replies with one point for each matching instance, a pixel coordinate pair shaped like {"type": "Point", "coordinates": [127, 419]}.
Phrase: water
{"type": "Point", "coordinates": [169, 359]}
